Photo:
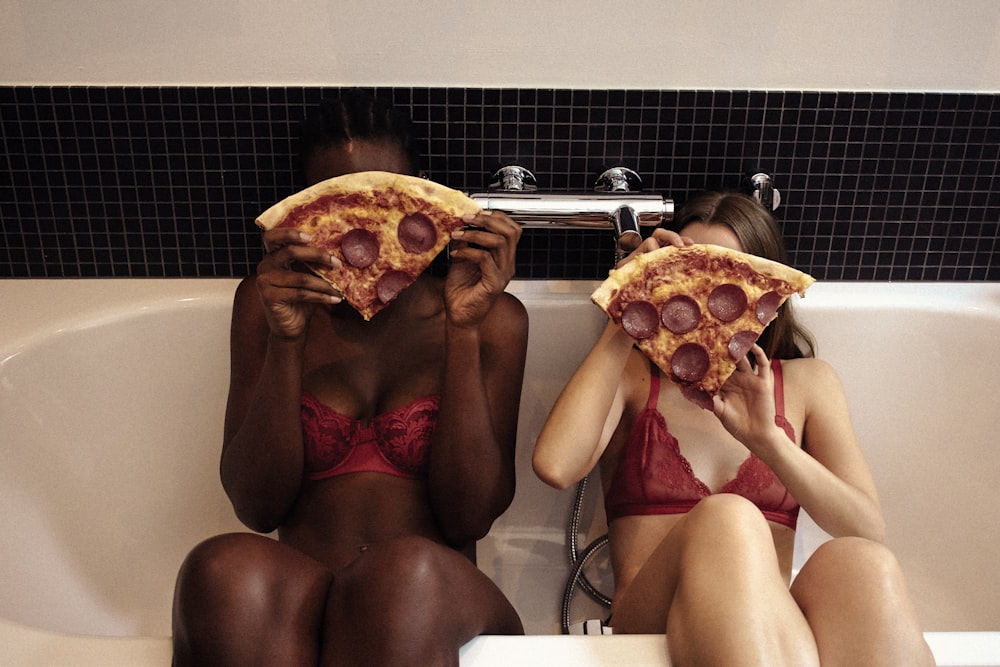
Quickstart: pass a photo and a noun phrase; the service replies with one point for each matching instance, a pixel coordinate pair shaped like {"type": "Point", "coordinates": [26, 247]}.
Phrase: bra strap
{"type": "Point", "coordinates": [654, 386]}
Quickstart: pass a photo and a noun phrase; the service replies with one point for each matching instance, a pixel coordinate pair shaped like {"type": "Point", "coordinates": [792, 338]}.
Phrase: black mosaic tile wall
{"type": "Point", "coordinates": [166, 181]}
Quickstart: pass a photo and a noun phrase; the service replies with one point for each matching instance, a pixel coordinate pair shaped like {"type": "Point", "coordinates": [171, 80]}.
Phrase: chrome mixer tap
{"type": "Point", "coordinates": [613, 205]}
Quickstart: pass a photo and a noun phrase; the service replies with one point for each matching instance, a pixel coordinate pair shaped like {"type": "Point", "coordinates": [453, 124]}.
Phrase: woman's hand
{"type": "Point", "coordinates": [482, 265]}
{"type": "Point", "coordinates": [658, 239]}
{"type": "Point", "coordinates": [745, 404]}
{"type": "Point", "coordinates": [290, 294]}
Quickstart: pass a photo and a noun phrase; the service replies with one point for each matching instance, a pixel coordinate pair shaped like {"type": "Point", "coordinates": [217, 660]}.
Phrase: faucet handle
{"type": "Point", "coordinates": [762, 189]}
{"type": "Point", "coordinates": [513, 178]}
{"type": "Point", "coordinates": [618, 179]}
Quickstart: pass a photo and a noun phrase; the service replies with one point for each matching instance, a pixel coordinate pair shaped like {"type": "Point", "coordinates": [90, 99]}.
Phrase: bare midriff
{"type": "Point", "coordinates": [336, 519]}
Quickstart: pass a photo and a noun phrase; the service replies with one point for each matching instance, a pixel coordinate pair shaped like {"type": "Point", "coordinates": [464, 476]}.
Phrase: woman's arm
{"type": "Point", "coordinates": [590, 407]}
{"type": "Point", "coordinates": [839, 494]}
{"type": "Point", "coordinates": [471, 474]}
{"type": "Point", "coordinates": [261, 463]}
{"type": "Point", "coordinates": [828, 475]}
{"type": "Point", "coordinates": [586, 413]}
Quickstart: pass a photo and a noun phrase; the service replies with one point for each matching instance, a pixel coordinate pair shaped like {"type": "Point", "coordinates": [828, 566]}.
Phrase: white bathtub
{"type": "Point", "coordinates": [111, 403]}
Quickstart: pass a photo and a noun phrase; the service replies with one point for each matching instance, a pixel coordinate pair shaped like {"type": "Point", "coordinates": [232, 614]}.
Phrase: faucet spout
{"type": "Point", "coordinates": [626, 225]}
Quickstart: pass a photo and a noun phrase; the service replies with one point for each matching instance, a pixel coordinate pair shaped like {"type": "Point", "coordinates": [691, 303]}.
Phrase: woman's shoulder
{"type": "Point", "coordinates": [810, 376]}
{"type": "Point", "coordinates": [248, 310]}
{"type": "Point", "coordinates": [508, 315]}
{"type": "Point", "coordinates": [246, 288]}
{"type": "Point", "coordinates": [510, 300]}
{"type": "Point", "coordinates": [637, 378]}
{"type": "Point", "coordinates": [807, 366]}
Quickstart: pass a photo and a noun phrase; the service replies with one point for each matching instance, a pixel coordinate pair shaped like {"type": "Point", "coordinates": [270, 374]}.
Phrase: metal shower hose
{"type": "Point", "coordinates": [578, 560]}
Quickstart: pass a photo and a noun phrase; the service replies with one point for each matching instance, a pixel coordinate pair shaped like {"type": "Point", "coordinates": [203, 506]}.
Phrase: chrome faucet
{"type": "Point", "coordinates": [762, 189]}
{"type": "Point", "coordinates": [612, 205]}
{"type": "Point", "coordinates": [624, 220]}
{"type": "Point", "coordinates": [618, 179]}
{"type": "Point", "coordinates": [513, 177]}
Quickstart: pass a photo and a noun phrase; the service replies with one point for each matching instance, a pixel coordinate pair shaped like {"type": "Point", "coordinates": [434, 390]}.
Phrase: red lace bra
{"type": "Point", "coordinates": [653, 477]}
{"type": "Point", "coordinates": [396, 442]}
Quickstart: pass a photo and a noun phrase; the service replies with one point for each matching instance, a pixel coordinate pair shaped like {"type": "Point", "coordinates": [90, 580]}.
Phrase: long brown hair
{"type": "Point", "coordinates": [785, 337]}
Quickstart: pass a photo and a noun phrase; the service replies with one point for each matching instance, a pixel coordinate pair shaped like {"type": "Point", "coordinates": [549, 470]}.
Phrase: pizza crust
{"type": "Point", "coordinates": [667, 255]}
{"type": "Point", "coordinates": [370, 183]}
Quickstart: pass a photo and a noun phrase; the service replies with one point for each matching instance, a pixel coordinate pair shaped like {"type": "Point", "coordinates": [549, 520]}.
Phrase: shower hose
{"type": "Point", "coordinates": [579, 559]}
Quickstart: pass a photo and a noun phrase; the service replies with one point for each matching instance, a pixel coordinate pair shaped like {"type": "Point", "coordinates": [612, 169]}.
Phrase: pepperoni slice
{"type": "Point", "coordinates": [767, 307]}
{"type": "Point", "coordinates": [740, 344]}
{"type": "Point", "coordinates": [727, 302]}
{"type": "Point", "coordinates": [391, 284]}
{"type": "Point", "coordinates": [360, 247]}
{"type": "Point", "coordinates": [416, 233]}
{"type": "Point", "coordinates": [640, 319]}
{"type": "Point", "coordinates": [699, 397]}
{"type": "Point", "coordinates": [690, 362]}
{"type": "Point", "coordinates": [680, 314]}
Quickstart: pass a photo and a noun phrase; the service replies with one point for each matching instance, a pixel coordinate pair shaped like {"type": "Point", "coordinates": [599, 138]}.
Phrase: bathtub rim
{"type": "Point", "coordinates": [29, 647]}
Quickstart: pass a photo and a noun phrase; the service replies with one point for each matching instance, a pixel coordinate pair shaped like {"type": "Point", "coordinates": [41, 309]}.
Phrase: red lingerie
{"type": "Point", "coordinates": [395, 443]}
{"type": "Point", "coordinates": [653, 477]}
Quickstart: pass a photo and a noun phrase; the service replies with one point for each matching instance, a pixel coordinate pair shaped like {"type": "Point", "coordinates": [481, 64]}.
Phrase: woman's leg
{"type": "Point", "coordinates": [715, 586]}
{"type": "Point", "coordinates": [853, 595]}
{"type": "Point", "coordinates": [245, 599]}
{"type": "Point", "coordinates": [411, 601]}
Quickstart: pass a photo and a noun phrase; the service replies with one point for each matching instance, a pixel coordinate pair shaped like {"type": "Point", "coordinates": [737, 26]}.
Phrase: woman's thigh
{"type": "Point", "coordinates": [854, 595]}
{"type": "Point", "coordinates": [723, 535]}
{"type": "Point", "coordinates": [715, 586]}
{"type": "Point", "coordinates": [243, 599]}
{"type": "Point", "coordinates": [412, 595]}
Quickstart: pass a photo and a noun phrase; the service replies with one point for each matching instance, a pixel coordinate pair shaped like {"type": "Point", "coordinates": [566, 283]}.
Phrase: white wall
{"type": "Point", "coordinates": [891, 45]}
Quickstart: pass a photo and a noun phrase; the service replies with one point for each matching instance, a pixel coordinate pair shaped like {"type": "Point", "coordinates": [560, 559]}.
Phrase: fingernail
{"type": "Point", "coordinates": [468, 217]}
{"type": "Point", "coordinates": [305, 236]}
{"type": "Point", "coordinates": [457, 233]}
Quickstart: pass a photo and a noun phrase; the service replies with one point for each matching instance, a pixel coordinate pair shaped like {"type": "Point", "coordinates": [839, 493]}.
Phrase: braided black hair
{"type": "Point", "coordinates": [356, 114]}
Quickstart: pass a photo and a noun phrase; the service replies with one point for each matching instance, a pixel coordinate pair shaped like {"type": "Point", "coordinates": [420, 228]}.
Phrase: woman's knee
{"type": "Point", "coordinates": [862, 557]}
{"type": "Point", "coordinates": [243, 573]}
{"type": "Point", "coordinates": [726, 507]}
{"type": "Point", "coordinates": [238, 586]}
{"type": "Point", "coordinates": [727, 516]}
{"type": "Point", "coordinates": [867, 568]}
{"type": "Point", "coordinates": [210, 566]}
{"type": "Point", "coordinates": [852, 590]}
{"type": "Point", "coordinates": [415, 578]}
{"type": "Point", "coordinates": [214, 564]}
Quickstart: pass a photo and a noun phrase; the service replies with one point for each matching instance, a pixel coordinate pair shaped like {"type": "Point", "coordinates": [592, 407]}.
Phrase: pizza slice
{"type": "Point", "coordinates": [696, 310]}
{"type": "Point", "coordinates": [385, 228]}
